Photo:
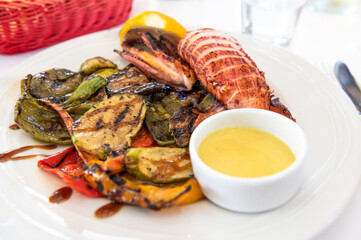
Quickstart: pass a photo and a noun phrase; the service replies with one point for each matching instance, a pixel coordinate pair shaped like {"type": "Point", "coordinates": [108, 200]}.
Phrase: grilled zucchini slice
{"type": "Point", "coordinates": [110, 125]}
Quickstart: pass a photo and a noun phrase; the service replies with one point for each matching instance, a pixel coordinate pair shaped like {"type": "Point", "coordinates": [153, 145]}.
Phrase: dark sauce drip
{"type": "Point", "coordinates": [61, 195]}
{"type": "Point", "coordinates": [9, 156]}
{"type": "Point", "coordinates": [108, 210]}
{"type": "Point", "coordinates": [14, 127]}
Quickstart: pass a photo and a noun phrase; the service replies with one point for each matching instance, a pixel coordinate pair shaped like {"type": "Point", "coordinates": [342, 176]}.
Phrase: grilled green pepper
{"type": "Point", "coordinates": [157, 120]}
{"type": "Point", "coordinates": [85, 90]}
{"type": "Point", "coordinates": [36, 119]}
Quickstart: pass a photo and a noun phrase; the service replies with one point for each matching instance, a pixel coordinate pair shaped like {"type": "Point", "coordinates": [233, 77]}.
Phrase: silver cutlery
{"type": "Point", "coordinates": [348, 84]}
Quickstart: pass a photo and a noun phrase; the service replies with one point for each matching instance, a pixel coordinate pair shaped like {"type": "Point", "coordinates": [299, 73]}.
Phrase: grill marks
{"type": "Point", "coordinates": [225, 69]}
{"type": "Point", "coordinates": [109, 126]}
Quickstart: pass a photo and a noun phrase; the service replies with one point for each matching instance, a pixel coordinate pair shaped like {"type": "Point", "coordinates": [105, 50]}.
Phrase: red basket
{"type": "Point", "coordinates": [30, 24]}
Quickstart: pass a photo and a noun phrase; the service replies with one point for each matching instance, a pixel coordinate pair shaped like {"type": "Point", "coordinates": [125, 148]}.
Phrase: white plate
{"type": "Point", "coordinates": [332, 172]}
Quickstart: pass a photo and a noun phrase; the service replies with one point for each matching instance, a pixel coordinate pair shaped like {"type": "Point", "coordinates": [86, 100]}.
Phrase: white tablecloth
{"type": "Point", "coordinates": [320, 38]}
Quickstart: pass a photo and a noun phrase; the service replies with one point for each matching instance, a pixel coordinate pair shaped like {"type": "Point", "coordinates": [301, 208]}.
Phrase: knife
{"type": "Point", "coordinates": [348, 84]}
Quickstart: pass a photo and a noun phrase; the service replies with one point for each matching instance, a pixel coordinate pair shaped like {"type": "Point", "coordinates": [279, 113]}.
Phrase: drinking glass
{"type": "Point", "coordinates": [272, 21]}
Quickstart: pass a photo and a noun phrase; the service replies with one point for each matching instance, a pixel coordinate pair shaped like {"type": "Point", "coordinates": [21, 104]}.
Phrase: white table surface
{"type": "Point", "coordinates": [320, 38]}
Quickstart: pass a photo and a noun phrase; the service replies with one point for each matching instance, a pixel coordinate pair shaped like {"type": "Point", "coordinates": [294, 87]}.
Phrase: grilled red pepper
{"type": "Point", "coordinates": [68, 165]}
{"type": "Point", "coordinates": [143, 139]}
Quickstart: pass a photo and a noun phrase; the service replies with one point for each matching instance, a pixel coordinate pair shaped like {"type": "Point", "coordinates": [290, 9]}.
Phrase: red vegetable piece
{"type": "Point", "coordinates": [143, 139]}
{"type": "Point", "coordinates": [68, 165]}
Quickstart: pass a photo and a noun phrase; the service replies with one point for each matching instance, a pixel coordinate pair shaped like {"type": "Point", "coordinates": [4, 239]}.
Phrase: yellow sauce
{"type": "Point", "coordinates": [245, 152]}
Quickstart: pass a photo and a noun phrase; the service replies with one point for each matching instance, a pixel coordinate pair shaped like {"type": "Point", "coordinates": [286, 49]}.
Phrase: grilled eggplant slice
{"type": "Point", "coordinates": [159, 164]}
{"type": "Point", "coordinates": [53, 83]}
{"type": "Point", "coordinates": [126, 80]}
{"type": "Point", "coordinates": [110, 125]}
{"type": "Point", "coordinates": [92, 65]}
{"type": "Point", "coordinates": [126, 189]}
{"type": "Point", "coordinates": [150, 88]}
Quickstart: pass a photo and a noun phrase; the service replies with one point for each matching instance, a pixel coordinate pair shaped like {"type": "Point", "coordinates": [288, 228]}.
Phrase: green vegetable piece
{"type": "Point", "coordinates": [106, 72]}
{"type": "Point", "coordinates": [53, 83]}
{"type": "Point", "coordinates": [94, 64]}
{"type": "Point", "coordinates": [172, 102]}
{"type": "Point", "coordinates": [85, 90]}
{"type": "Point", "coordinates": [157, 120]}
{"type": "Point", "coordinates": [208, 103]}
{"type": "Point", "coordinates": [110, 125]}
{"type": "Point", "coordinates": [159, 164]}
{"type": "Point", "coordinates": [38, 120]}
{"type": "Point", "coordinates": [41, 122]}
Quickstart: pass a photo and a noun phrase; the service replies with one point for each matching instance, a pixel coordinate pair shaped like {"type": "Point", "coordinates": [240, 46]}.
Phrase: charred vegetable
{"type": "Point", "coordinates": [175, 100]}
{"type": "Point", "coordinates": [181, 125]}
{"type": "Point", "coordinates": [68, 165]}
{"type": "Point", "coordinates": [128, 190]}
{"type": "Point", "coordinates": [85, 90]}
{"type": "Point", "coordinates": [38, 120]}
{"type": "Point", "coordinates": [150, 88]}
{"type": "Point", "coordinates": [209, 104]}
{"type": "Point", "coordinates": [125, 80]}
{"type": "Point", "coordinates": [53, 83]}
{"type": "Point", "coordinates": [165, 130]}
{"type": "Point", "coordinates": [157, 120]}
{"type": "Point", "coordinates": [109, 126]}
{"type": "Point", "coordinates": [159, 164]}
{"type": "Point", "coordinates": [94, 64]}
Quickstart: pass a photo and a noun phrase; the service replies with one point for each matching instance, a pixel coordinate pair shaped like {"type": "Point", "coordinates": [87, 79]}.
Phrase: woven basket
{"type": "Point", "coordinates": [30, 24]}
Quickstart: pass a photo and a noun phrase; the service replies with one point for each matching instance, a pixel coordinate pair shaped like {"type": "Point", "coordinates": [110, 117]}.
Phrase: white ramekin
{"type": "Point", "coordinates": [250, 194]}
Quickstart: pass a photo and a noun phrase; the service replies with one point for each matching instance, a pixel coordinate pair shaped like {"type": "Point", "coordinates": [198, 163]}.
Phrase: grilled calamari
{"type": "Point", "coordinates": [158, 58]}
{"type": "Point", "coordinates": [226, 70]}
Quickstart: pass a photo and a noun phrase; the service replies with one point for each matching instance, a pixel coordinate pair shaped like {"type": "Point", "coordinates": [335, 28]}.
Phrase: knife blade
{"type": "Point", "coordinates": [348, 84]}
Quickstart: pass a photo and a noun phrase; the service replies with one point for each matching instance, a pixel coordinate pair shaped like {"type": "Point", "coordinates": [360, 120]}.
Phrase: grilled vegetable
{"type": "Point", "coordinates": [94, 64]}
{"type": "Point", "coordinates": [150, 88]}
{"type": "Point", "coordinates": [208, 104]}
{"type": "Point", "coordinates": [157, 120]}
{"type": "Point", "coordinates": [53, 83]}
{"type": "Point", "coordinates": [126, 80]}
{"type": "Point", "coordinates": [115, 161]}
{"type": "Point", "coordinates": [159, 164]}
{"type": "Point", "coordinates": [159, 114]}
{"type": "Point", "coordinates": [68, 166]}
{"type": "Point", "coordinates": [173, 101]}
{"type": "Point", "coordinates": [38, 120]}
{"type": "Point", "coordinates": [106, 72]}
{"type": "Point", "coordinates": [181, 125]}
{"type": "Point", "coordinates": [110, 125]}
{"type": "Point", "coordinates": [85, 90]}
{"type": "Point", "coordinates": [126, 189]}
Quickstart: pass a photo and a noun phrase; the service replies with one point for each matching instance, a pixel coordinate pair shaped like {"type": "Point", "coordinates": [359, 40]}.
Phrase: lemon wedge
{"type": "Point", "coordinates": [153, 19]}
